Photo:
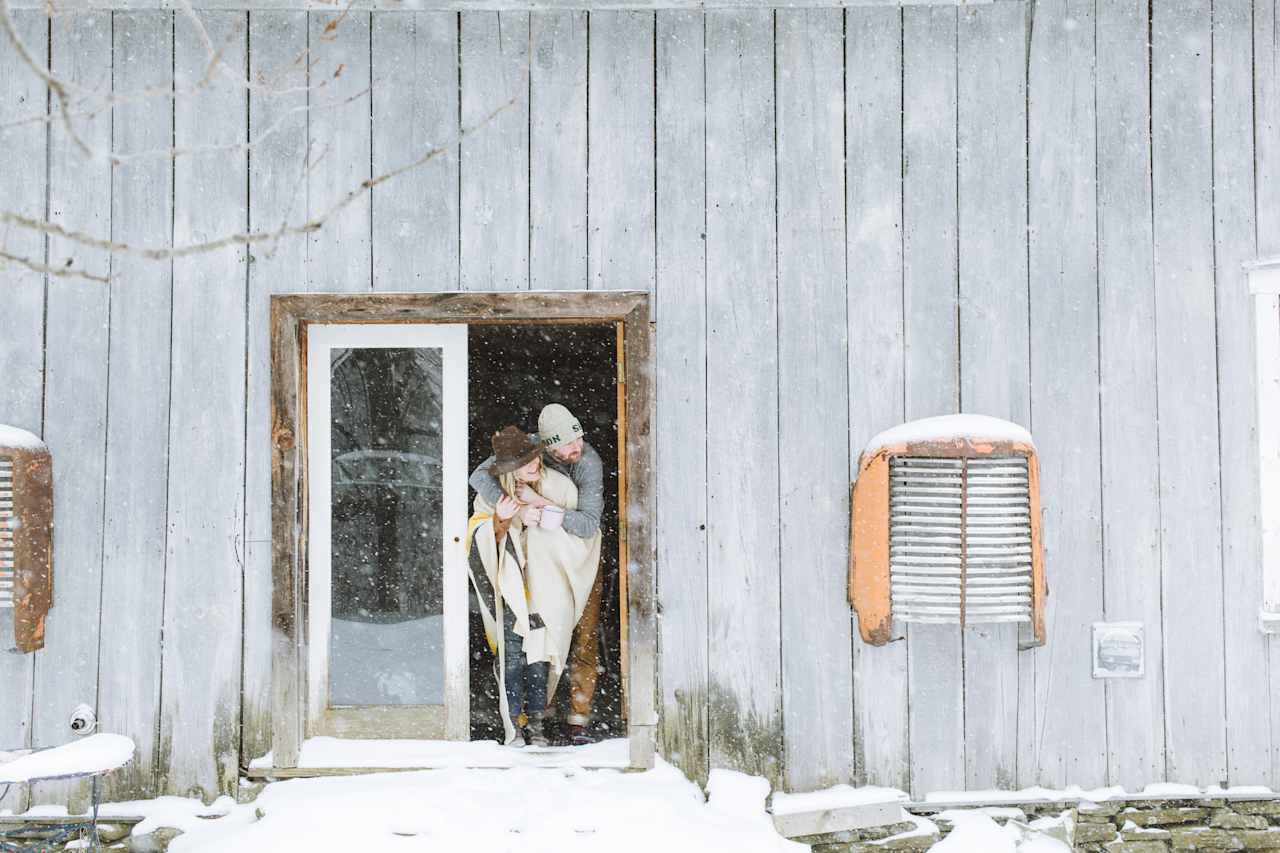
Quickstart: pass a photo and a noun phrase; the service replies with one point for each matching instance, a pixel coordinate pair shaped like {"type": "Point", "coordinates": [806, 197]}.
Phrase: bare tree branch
{"type": "Point", "coordinates": [161, 253]}
{"type": "Point", "coordinates": [57, 272]}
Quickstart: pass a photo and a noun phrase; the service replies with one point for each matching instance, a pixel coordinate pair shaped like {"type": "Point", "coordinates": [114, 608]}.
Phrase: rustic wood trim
{"type": "Point", "coordinates": [623, 604]}
{"type": "Point", "coordinates": [286, 543]}
{"type": "Point", "coordinates": [642, 630]}
{"type": "Point", "coordinates": [291, 314]}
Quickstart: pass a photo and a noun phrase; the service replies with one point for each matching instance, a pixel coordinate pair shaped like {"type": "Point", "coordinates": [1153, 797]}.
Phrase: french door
{"type": "Point", "coordinates": [386, 592]}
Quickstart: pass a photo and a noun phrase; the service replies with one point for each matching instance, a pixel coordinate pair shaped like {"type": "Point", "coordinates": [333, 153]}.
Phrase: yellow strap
{"type": "Point", "coordinates": [472, 523]}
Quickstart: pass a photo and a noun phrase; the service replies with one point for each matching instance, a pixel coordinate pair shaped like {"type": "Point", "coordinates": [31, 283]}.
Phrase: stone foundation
{"type": "Point", "coordinates": [1139, 825]}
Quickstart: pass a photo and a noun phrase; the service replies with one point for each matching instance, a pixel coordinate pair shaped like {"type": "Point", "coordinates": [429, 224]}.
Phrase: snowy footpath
{"type": "Point", "coordinates": [521, 810]}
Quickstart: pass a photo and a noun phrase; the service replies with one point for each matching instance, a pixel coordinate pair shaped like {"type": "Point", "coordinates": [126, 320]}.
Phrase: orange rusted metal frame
{"type": "Point", "coordinates": [32, 544]}
{"type": "Point", "coordinates": [869, 528]}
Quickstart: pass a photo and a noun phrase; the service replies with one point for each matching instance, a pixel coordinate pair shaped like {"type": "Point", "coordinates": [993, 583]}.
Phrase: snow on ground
{"type": "Point", "coordinates": [976, 832]}
{"type": "Point", "coordinates": [519, 810]}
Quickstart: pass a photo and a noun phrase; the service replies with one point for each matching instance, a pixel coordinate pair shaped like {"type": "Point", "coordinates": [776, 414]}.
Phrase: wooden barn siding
{"type": "Point", "coordinates": [847, 217]}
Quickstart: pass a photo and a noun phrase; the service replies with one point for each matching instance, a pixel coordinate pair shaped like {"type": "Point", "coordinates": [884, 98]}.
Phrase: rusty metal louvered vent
{"type": "Point", "coordinates": [26, 536]}
{"type": "Point", "coordinates": [6, 532]}
{"type": "Point", "coordinates": [945, 527]}
{"type": "Point", "coordinates": [960, 539]}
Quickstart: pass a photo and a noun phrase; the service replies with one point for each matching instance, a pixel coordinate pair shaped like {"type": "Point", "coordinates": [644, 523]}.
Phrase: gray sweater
{"type": "Point", "coordinates": [587, 474]}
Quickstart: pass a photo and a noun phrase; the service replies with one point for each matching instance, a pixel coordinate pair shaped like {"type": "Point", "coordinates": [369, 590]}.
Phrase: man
{"type": "Point", "coordinates": [566, 450]}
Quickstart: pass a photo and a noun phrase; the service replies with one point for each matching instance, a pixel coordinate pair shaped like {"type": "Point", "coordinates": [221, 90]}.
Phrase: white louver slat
{"type": "Point", "coordinates": [6, 532]}
{"type": "Point", "coordinates": [960, 539]}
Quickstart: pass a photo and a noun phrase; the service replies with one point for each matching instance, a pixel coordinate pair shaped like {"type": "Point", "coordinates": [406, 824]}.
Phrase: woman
{"type": "Point", "coordinates": [531, 577]}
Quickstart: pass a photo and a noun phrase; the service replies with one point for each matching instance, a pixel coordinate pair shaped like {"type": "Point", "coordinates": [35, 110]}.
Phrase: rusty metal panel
{"type": "Point", "coordinates": [26, 535]}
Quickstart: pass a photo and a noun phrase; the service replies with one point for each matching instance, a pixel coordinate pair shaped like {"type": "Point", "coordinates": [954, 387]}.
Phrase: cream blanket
{"type": "Point", "coordinates": [536, 571]}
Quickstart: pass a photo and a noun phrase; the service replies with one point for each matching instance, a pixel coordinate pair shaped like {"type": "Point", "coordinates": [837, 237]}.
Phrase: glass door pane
{"type": "Point", "coordinates": [386, 641]}
{"type": "Point", "coordinates": [386, 588]}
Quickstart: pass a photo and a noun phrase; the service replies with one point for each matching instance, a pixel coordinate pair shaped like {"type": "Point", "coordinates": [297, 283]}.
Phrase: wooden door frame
{"type": "Point", "coordinates": [292, 314]}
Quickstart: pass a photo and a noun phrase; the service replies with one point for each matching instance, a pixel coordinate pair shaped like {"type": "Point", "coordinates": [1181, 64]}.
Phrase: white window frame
{"type": "Point", "coordinates": [452, 720]}
{"type": "Point", "coordinates": [1264, 284]}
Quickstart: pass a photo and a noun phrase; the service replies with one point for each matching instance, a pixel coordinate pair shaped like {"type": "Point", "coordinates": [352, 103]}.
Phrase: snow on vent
{"type": "Point", "coordinates": [6, 532]}
{"type": "Point", "coordinates": [960, 545]}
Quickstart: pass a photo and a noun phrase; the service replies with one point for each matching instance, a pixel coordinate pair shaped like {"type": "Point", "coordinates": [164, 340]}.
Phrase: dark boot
{"type": "Point", "coordinates": [537, 734]}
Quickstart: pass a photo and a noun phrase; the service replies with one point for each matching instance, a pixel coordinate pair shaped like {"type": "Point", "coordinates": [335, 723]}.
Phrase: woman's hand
{"type": "Point", "coordinates": [531, 515]}
{"type": "Point", "coordinates": [507, 507]}
{"type": "Point", "coordinates": [528, 496]}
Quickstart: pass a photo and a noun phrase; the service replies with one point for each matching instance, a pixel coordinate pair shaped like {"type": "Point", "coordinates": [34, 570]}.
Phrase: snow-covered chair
{"type": "Point", "coordinates": [94, 757]}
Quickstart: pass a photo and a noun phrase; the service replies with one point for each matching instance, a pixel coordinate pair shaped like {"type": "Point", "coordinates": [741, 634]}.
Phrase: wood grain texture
{"type": "Point", "coordinates": [339, 253]}
{"type": "Point", "coordinates": [929, 204]}
{"type": "Point", "coordinates": [745, 700]}
{"type": "Point", "coordinates": [276, 174]}
{"type": "Point", "coordinates": [200, 687]}
{"type": "Point", "coordinates": [137, 433]}
{"type": "Point", "coordinates": [75, 398]}
{"type": "Point", "coordinates": [877, 354]}
{"type": "Point", "coordinates": [22, 338]}
{"type": "Point", "coordinates": [1245, 648]}
{"type": "Point", "coordinates": [1186, 360]}
{"type": "Point", "coordinates": [494, 234]}
{"type": "Point", "coordinates": [1070, 737]}
{"type": "Point", "coordinates": [994, 370]}
{"type": "Point", "coordinates": [558, 151]}
{"type": "Point", "coordinates": [1130, 464]}
{"type": "Point", "coordinates": [1266, 181]}
{"type": "Point", "coordinates": [620, 241]}
{"type": "Point", "coordinates": [415, 108]}
{"type": "Point", "coordinates": [681, 390]}
{"type": "Point", "coordinates": [817, 665]}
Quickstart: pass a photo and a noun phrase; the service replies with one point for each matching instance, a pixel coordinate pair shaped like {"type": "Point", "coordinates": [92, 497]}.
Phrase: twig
{"type": "Point", "coordinates": [57, 272]}
{"type": "Point", "coordinates": [157, 253]}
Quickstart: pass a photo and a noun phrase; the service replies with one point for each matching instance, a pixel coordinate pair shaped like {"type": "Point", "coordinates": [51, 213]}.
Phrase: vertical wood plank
{"type": "Point", "coordinates": [415, 109]}
{"type": "Point", "coordinates": [200, 687]}
{"type": "Point", "coordinates": [494, 236]}
{"type": "Point", "coordinates": [817, 663]}
{"type": "Point", "coordinates": [1127, 372]}
{"type": "Point", "coordinates": [339, 253]}
{"type": "Point", "coordinates": [558, 150]}
{"type": "Point", "coordinates": [873, 228]}
{"type": "Point", "coordinates": [745, 701]}
{"type": "Point", "coordinates": [137, 435]}
{"type": "Point", "coordinates": [21, 327]}
{"type": "Point", "coordinates": [934, 666]}
{"type": "Point", "coordinates": [1190, 509]}
{"type": "Point", "coordinates": [681, 388]}
{"type": "Point", "coordinates": [66, 670]}
{"type": "Point", "coordinates": [1266, 181]}
{"type": "Point", "coordinates": [994, 371]}
{"type": "Point", "coordinates": [1245, 647]}
{"type": "Point", "coordinates": [277, 193]}
{"type": "Point", "coordinates": [620, 216]}
{"type": "Point", "coordinates": [1070, 738]}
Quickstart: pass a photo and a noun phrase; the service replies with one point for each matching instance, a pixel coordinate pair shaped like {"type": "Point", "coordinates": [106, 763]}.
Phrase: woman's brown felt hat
{"type": "Point", "coordinates": [513, 448]}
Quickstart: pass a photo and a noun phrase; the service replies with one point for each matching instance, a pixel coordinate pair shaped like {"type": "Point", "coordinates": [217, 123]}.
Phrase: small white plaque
{"type": "Point", "coordinates": [1118, 650]}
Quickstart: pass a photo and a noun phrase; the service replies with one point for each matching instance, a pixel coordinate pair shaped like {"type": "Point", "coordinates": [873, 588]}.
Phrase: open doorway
{"type": "Point", "coordinates": [513, 371]}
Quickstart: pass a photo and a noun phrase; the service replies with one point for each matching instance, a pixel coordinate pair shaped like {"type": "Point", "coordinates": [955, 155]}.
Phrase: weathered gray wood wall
{"type": "Point", "coordinates": [848, 218]}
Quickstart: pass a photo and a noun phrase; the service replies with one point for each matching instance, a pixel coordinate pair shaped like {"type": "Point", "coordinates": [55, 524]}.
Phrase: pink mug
{"type": "Point", "coordinates": [552, 517]}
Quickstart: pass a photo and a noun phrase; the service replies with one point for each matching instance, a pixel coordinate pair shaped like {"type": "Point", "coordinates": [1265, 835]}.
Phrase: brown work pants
{"type": "Point", "coordinates": [584, 657]}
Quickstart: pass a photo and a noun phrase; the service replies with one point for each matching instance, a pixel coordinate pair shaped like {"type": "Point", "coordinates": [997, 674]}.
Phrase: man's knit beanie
{"type": "Point", "coordinates": [557, 426]}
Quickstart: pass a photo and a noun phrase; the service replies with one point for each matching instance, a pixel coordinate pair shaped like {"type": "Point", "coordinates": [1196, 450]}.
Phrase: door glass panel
{"type": "Point", "coordinates": [386, 640]}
